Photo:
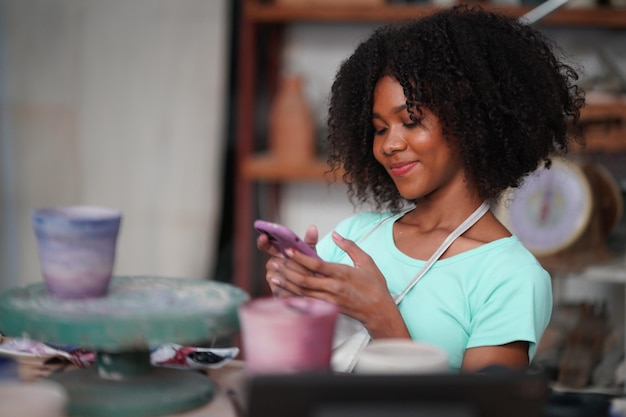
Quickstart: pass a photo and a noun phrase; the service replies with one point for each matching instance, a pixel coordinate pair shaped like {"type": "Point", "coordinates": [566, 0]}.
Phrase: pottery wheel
{"type": "Point", "coordinates": [138, 314]}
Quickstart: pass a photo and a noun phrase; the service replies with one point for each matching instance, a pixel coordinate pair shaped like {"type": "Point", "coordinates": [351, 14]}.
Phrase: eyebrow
{"type": "Point", "coordinates": [394, 110]}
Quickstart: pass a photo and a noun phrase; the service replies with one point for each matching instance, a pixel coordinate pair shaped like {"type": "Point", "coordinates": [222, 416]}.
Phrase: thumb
{"type": "Point", "coordinates": [352, 249]}
{"type": "Point", "coordinates": [311, 236]}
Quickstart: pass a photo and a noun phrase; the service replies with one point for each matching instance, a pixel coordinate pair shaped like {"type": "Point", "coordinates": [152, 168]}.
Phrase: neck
{"type": "Point", "coordinates": [431, 213]}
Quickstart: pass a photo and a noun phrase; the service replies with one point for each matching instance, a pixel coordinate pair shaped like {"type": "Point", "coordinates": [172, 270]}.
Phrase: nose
{"type": "Point", "coordinates": [393, 143]}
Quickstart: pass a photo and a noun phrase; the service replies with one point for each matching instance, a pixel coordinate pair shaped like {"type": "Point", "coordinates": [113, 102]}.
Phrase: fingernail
{"type": "Point", "coordinates": [289, 252]}
{"type": "Point", "coordinates": [337, 236]}
{"type": "Point", "coordinates": [275, 281]}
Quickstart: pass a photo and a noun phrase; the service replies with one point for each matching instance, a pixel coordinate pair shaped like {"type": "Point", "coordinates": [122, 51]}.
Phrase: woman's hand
{"type": "Point", "coordinates": [276, 258]}
{"type": "Point", "coordinates": [360, 291]}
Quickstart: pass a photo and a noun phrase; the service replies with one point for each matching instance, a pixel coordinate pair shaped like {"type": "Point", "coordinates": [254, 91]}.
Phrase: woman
{"type": "Point", "coordinates": [432, 121]}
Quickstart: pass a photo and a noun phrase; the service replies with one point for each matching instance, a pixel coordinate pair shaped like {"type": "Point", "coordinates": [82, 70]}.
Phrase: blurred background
{"type": "Point", "coordinates": [161, 108]}
{"type": "Point", "coordinates": [122, 104]}
{"type": "Point", "coordinates": [134, 104]}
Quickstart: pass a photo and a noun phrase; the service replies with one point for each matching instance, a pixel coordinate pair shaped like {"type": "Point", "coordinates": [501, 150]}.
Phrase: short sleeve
{"type": "Point", "coordinates": [515, 307]}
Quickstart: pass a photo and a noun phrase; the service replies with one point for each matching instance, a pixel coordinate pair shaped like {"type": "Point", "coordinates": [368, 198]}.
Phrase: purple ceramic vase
{"type": "Point", "coordinates": [76, 247]}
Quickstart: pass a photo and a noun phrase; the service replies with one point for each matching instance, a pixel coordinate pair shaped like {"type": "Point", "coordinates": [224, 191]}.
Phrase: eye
{"type": "Point", "coordinates": [379, 128]}
{"type": "Point", "coordinates": [413, 117]}
{"type": "Point", "coordinates": [413, 120]}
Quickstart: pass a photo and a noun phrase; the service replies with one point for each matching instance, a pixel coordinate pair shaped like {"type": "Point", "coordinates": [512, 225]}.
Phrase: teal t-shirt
{"type": "Point", "coordinates": [494, 294]}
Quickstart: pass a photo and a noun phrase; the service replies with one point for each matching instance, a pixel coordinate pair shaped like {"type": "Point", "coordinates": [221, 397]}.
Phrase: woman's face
{"type": "Point", "coordinates": [415, 153]}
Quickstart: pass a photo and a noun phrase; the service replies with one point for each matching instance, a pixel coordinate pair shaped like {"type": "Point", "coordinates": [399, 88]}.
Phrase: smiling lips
{"type": "Point", "coordinates": [401, 168]}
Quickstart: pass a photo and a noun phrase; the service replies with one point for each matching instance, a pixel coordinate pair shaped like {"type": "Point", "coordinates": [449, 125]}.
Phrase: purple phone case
{"type": "Point", "coordinates": [283, 238]}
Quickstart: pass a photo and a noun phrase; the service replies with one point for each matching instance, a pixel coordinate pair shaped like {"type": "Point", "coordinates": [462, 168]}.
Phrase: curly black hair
{"type": "Point", "coordinates": [497, 86]}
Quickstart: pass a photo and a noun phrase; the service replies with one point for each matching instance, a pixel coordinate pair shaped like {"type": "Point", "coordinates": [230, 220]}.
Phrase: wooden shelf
{"type": "Point", "coordinates": [605, 117]}
{"type": "Point", "coordinates": [265, 167]}
{"type": "Point", "coordinates": [604, 106]}
{"type": "Point", "coordinates": [565, 16]}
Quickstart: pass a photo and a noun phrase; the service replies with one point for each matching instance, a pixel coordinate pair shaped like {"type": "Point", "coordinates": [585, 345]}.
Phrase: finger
{"type": "Point", "coordinates": [311, 236]}
{"type": "Point", "coordinates": [358, 256]}
{"type": "Point", "coordinates": [289, 273]}
{"type": "Point", "coordinates": [289, 287]}
{"type": "Point", "coordinates": [279, 292]}
{"type": "Point", "coordinates": [295, 265]}
{"type": "Point", "coordinates": [271, 266]}
{"type": "Point", "coordinates": [273, 279]}
{"type": "Point", "coordinates": [316, 266]}
{"type": "Point", "coordinates": [310, 263]}
{"type": "Point", "coordinates": [264, 245]}
{"type": "Point", "coordinates": [282, 267]}
{"type": "Point", "coordinates": [276, 290]}
{"type": "Point", "coordinates": [280, 285]}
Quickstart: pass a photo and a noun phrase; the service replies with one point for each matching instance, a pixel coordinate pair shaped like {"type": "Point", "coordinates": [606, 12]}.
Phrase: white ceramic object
{"type": "Point", "coordinates": [401, 356]}
{"type": "Point", "coordinates": [32, 399]}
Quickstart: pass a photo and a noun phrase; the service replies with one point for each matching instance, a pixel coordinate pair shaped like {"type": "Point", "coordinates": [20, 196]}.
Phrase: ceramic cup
{"type": "Point", "coordinates": [76, 246]}
{"type": "Point", "coordinates": [288, 335]}
{"type": "Point", "coordinates": [401, 356]}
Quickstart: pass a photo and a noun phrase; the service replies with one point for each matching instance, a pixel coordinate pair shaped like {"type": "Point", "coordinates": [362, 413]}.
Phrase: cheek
{"type": "Point", "coordinates": [377, 150]}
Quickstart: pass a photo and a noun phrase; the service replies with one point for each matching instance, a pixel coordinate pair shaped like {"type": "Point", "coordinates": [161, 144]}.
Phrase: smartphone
{"type": "Point", "coordinates": [282, 238]}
